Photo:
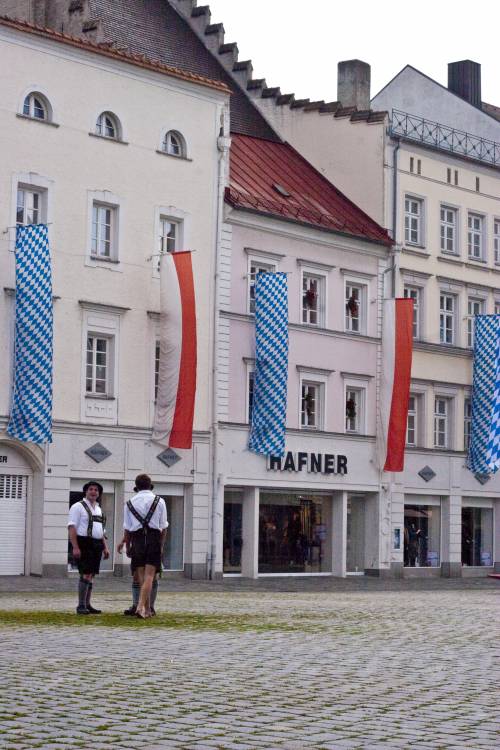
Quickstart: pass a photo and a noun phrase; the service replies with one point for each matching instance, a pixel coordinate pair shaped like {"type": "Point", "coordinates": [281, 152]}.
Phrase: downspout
{"type": "Point", "coordinates": [394, 214]}
{"type": "Point", "coordinates": [223, 144]}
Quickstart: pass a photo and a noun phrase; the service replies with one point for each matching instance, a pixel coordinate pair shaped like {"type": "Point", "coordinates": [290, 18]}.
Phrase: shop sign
{"type": "Point", "coordinates": [314, 463]}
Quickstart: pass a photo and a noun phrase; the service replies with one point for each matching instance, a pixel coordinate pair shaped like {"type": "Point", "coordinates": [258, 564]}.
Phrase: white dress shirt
{"type": "Point", "coordinates": [142, 503]}
{"type": "Point", "coordinates": [78, 517]}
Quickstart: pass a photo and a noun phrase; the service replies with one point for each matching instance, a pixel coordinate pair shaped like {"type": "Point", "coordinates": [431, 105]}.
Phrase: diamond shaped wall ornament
{"type": "Point", "coordinates": [427, 473]}
{"type": "Point", "coordinates": [482, 478]}
{"type": "Point", "coordinates": [168, 457]}
{"type": "Point", "coordinates": [98, 452]}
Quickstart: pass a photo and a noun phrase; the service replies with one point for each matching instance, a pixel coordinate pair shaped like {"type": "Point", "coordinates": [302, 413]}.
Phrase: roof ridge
{"type": "Point", "coordinates": [108, 49]}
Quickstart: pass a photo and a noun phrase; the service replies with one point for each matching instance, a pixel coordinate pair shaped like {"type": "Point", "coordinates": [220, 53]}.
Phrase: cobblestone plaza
{"type": "Point", "coordinates": [279, 664]}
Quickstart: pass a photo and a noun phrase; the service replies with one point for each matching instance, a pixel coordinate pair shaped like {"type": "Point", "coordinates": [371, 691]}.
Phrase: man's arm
{"type": "Point", "coordinates": [163, 536]}
{"type": "Point", "coordinates": [125, 541]}
{"type": "Point", "coordinates": [74, 542]}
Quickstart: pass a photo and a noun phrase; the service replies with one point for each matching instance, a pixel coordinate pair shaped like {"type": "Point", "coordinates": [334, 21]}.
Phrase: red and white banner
{"type": "Point", "coordinates": [397, 345]}
{"type": "Point", "coordinates": [174, 411]}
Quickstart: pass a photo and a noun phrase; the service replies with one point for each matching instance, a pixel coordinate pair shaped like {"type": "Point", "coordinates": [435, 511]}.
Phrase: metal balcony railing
{"type": "Point", "coordinates": [444, 137]}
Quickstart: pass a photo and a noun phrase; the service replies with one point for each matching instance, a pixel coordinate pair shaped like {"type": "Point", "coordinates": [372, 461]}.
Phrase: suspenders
{"type": "Point", "coordinates": [93, 519]}
{"type": "Point", "coordinates": [144, 520]}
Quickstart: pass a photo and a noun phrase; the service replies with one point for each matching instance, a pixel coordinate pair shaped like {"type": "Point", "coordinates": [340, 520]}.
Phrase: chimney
{"type": "Point", "coordinates": [464, 79]}
{"type": "Point", "coordinates": [353, 84]}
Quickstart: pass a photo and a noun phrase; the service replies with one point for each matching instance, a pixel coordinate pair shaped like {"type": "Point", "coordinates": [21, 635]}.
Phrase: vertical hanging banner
{"type": "Point", "coordinates": [397, 348]}
{"type": "Point", "coordinates": [31, 416]}
{"type": "Point", "coordinates": [267, 434]}
{"type": "Point", "coordinates": [484, 447]}
{"type": "Point", "coordinates": [174, 410]}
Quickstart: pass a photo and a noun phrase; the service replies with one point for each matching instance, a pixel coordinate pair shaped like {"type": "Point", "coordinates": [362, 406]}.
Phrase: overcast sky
{"type": "Point", "coordinates": [296, 44]}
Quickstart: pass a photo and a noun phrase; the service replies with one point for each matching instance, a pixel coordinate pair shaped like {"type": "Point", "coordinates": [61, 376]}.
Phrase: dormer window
{"type": "Point", "coordinates": [37, 107]}
{"type": "Point", "coordinates": [174, 144]}
{"type": "Point", "coordinates": [107, 126]}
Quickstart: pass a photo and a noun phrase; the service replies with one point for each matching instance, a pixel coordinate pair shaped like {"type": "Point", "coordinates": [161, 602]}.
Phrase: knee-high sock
{"type": "Point", "coordinates": [82, 592]}
{"type": "Point", "coordinates": [154, 591]}
{"type": "Point", "coordinates": [136, 589]}
{"type": "Point", "coordinates": [89, 593]}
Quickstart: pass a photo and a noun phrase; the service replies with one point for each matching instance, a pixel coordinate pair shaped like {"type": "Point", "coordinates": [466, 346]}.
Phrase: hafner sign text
{"type": "Point", "coordinates": [316, 463]}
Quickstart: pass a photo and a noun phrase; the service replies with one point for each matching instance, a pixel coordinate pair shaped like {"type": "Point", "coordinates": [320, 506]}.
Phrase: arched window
{"type": "Point", "coordinates": [36, 106]}
{"type": "Point", "coordinates": [174, 144]}
{"type": "Point", "coordinates": [107, 126]}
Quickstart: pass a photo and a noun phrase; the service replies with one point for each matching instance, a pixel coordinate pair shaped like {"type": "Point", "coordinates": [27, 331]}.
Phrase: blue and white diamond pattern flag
{"type": "Point", "coordinates": [31, 417]}
{"type": "Point", "coordinates": [484, 449]}
{"type": "Point", "coordinates": [267, 435]}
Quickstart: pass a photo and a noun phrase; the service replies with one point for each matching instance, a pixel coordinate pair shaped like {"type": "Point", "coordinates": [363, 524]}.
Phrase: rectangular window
{"type": "Point", "coordinates": [422, 536]}
{"type": "Point", "coordinates": [413, 221]}
{"type": "Point", "coordinates": [467, 423]}
{"type": "Point", "coordinates": [448, 228]}
{"type": "Point", "coordinates": [496, 240]}
{"type": "Point", "coordinates": [354, 409]}
{"type": "Point", "coordinates": [355, 296]}
{"type": "Point", "coordinates": [475, 239]}
{"type": "Point", "coordinates": [412, 423]}
{"type": "Point", "coordinates": [448, 175]}
{"type": "Point", "coordinates": [477, 537]}
{"type": "Point", "coordinates": [250, 389]}
{"type": "Point", "coordinates": [255, 268]}
{"type": "Point", "coordinates": [97, 380]}
{"type": "Point", "coordinates": [312, 299]}
{"type": "Point", "coordinates": [477, 185]}
{"type": "Point", "coordinates": [157, 367]}
{"type": "Point", "coordinates": [474, 307]}
{"type": "Point", "coordinates": [447, 313]}
{"type": "Point", "coordinates": [103, 218]}
{"type": "Point", "coordinates": [456, 176]}
{"type": "Point", "coordinates": [169, 235]}
{"type": "Point", "coordinates": [412, 164]}
{"type": "Point", "coordinates": [29, 207]}
{"type": "Point", "coordinates": [414, 293]}
{"type": "Point", "coordinates": [419, 166]}
{"type": "Point", "coordinates": [441, 422]}
{"type": "Point", "coordinates": [310, 405]}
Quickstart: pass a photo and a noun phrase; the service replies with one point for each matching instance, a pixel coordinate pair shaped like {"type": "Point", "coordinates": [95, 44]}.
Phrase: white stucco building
{"type": "Point", "coordinates": [105, 148]}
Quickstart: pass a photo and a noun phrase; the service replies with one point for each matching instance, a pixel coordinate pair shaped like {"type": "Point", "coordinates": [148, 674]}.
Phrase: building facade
{"type": "Point", "coordinates": [105, 149]}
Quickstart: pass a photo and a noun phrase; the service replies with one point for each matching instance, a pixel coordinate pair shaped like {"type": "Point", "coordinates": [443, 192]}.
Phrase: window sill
{"type": "Point", "coordinates": [109, 140]}
{"type": "Point", "coordinates": [100, 396]}
{"type": "Point", "coordinates": [476, 260]}
{"type": "Point", "coordinates": [172, 156]}
{"type": "Point", "coordinates": [413, 250]}
{"type": "Point", "coordinates": [36, 119]}
{"type": "Point", "coordinates": [102, 259]}
{"type": "Point", "coordinates": [450, 258]}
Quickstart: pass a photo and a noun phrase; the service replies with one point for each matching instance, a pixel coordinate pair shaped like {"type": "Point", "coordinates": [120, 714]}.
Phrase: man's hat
{"type": "Point", "coordinates": [93, 484]}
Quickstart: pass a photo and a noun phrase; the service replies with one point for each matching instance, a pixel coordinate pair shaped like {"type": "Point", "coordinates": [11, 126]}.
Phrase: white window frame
{"type": "Point", "coordinates": [414, 221]}
{"type": "Point", "coordinates": [473, 302]}
{"type": "Point", "coordinates": [351, 283]}
{"type": "Point", "coordinates": [31, 195]}
{"type": "Point", "coordinates": [30, 108]}
{"type": "Point", "coordinates": [413, 419]}
{"type": "Point", "coordinates": [104, 215]}
{"type": "Point", "coordinates": [320, 281]}
{"type": "Point", "coordinates": [109, 364]}
{"type": "Point", "coordinates": [467, 419]}
{"type": "Point", "coordinates": [447, 314]}
{"type": "Point", "coordinates": [101, 321]}
{"type": "Point", "coordinates": [177, 150]}
{"type": "Point", "coordinates": [260, 264]}
{"type": "Point", "coordinates": [360, 386]}
{"type": "Point", "coordinates": [105, 199]}
{"type": "Point", "coordinates": [448, 230]}
{"type": "Point", "coordinates": [496, 241]}
{"type": "Point", "coordinates": [249, 376]}
{"type": "Point", "coordinates": [41, 93]}
{"type": "Point", "coordinates": [416, 293]}
{"type": "Point", "coordinates": [476, 236]}
{"type": "Point", "coordinates": [306, 383]}
{"type": "Point", "coordinates": [447, 417]}
{"type": "Point", "coordinates": [101, 125]}
{"type": "Point", "coordinates": [176, 216]}
{"type": "Point", "coordinates": [311, 377]}
{"type": "Point", "coordinates": [33, 182]}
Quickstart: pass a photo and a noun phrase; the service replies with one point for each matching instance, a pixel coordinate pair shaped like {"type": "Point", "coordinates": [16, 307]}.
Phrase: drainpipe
{"type": "Point", "coordinates": [223, 144]}
{"type": "Point", "coordinates": [394, 213]}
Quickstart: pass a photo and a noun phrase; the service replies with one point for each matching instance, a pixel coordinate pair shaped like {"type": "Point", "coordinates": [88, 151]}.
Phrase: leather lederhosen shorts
{"type": "Point", "coordinates": [91, 554]}
{"type": "Point", "coordinates": [145, 549]}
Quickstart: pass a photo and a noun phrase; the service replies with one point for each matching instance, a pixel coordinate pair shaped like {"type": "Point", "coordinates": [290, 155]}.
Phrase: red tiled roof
{"type": "Point", "coordinates": [257, 166]}
{"type": "Point", "coordinates": [107, 50]}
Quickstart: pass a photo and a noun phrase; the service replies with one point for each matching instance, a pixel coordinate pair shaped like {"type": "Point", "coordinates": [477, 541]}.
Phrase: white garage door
{"type": "Point", "coordinates": [13, 491]}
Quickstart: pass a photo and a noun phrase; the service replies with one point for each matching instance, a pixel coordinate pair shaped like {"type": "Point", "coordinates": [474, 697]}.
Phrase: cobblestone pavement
{"type": "Point", "coordinates": [358, 668]}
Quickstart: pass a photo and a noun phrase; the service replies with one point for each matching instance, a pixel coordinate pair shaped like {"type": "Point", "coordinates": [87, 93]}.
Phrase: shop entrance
{"type": "Point", "coordinates": [13, 504]}
{"type": "Point", "coordinates": [233, 532]}
{"type": "Point", "coordinates": [422, 535]}
{"type": "Point", "coordinates": [477, 536]}
{"type": "Point", "coordinates": [108, 508]}
{"type": "Point", "coordinates": [355, 552]}
{"type": "Point", "coordinates": [294, 533]}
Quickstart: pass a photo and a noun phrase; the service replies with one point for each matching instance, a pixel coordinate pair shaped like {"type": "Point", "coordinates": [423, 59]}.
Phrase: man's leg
{"type": "Point", "coordinates": [136, 588]}
{"type": "Point", "coordinates": [90, 586]}
{"type": "Point", "coordinates": [84, 589]}
{"type": "Point", "coordinates": [143, 608]}
{"type": "Point", "coordinates": [153, 595]}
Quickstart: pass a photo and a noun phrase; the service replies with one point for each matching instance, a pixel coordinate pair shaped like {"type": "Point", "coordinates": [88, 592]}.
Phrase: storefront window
{"type": "Point", "coordinates": [173, 552]}
{"type": "Point", "coordinates": [477, 536]}
{"type": "Point", "coordinates": [422, 536]}
{"type": "Point", "coordinates": [233, 531]}
{"type": "Point", "coordinates": [294, 533]}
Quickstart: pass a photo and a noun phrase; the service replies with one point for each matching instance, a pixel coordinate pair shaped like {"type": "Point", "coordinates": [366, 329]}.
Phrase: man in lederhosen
{"type": "Point", "coordinates": [145, 530]}
{"type": "Point", "coordinates": [86, 526]}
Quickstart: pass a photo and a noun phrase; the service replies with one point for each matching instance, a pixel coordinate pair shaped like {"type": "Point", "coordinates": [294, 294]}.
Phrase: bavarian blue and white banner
{"type": "Point", "coordinates": [267, 434]}
{"type": "Point", "coordinates": [31, 417]}
{"type": "Point", "coordinates": [484, 449]}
